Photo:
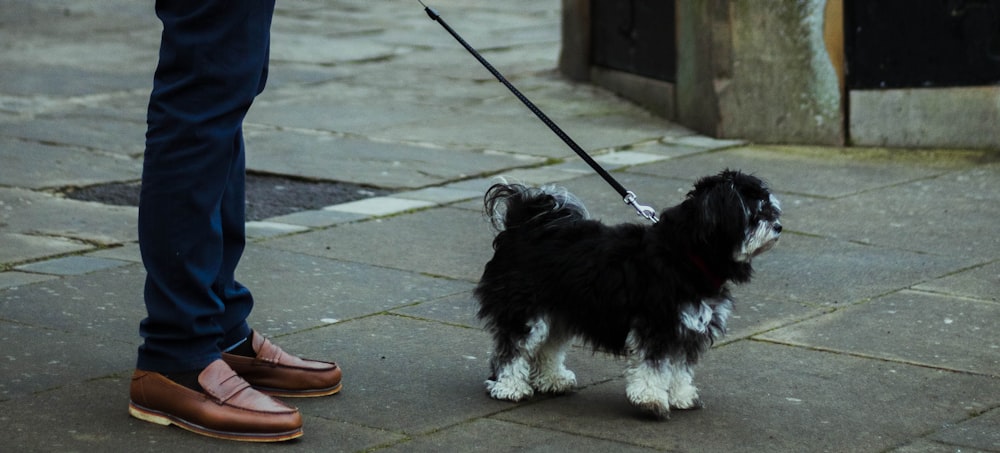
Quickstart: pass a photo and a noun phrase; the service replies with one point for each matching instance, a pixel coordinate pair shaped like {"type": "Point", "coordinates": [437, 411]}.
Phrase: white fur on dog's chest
{"type": "Point", "coordinates": [699, 317]}
{"type": "Point", "coordinates": [696, 318]}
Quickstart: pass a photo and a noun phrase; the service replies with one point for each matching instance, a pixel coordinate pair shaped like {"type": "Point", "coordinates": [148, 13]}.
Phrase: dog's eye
{"type": "Point", "coordinates": [766, 211]}
{"type": "Point", "coordinates": [775, 204]}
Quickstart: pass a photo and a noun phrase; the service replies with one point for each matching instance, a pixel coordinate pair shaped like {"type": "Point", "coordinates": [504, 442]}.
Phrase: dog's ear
{"type": "Point", "coordinates": [718, 207]}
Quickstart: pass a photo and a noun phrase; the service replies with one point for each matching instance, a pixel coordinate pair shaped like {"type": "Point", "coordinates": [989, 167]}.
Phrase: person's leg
{"type": "Point", "coordinates": [213, 62]}
{"type": "Point", "coordinates": [237, 298]}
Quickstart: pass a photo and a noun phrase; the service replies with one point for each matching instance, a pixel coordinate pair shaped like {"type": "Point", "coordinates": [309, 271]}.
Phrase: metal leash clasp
{"type": "Point", "coordinates": [641, 210]}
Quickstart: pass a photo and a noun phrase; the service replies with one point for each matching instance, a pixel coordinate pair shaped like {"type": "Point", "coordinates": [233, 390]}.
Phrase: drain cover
{"type": "Point", "coordinates": [267, 195]}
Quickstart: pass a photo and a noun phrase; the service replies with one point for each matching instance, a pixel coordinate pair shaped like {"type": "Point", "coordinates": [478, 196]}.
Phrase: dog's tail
{"type": "Point", "coordinates": [514, 205]}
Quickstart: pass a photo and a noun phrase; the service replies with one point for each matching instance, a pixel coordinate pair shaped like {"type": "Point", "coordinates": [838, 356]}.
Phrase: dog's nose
{"type": "Point", "coordinates": [777, 228]}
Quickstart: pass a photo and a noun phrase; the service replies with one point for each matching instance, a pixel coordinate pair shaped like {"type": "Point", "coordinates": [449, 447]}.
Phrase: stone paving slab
{"type": "Point", "coordinates": [440, 195]}
{"type": "Point", "coordinates": [848, 272]}
{"type": "Point", "coordinates": [411, 78]}
{"type": "Point", "coordinates": [56, 358]}
{"type": "Point", "coordinates": [285, 77]}
{"type": "Point", "coordinates": [896, 327]}
{"type": "Point", "coordinates": [359, 114]}
{"type": "Point", "coordinates": [497, 435]}
{"type": "Point", "coordinates": [796, 169]}
{"type": "Point", "coordinates": [89, 132]}
{"type": "Point", "coordinates": [522, 136]}
{"type": "Point", "coordinates": [703, 141]}
{"type": "Point", "coordinates": [28, 80]}
{"type": "Point", "coordinates": [953, 214]}
{"type": "Point", "coordinates": [105, 304]}
{"type": "Point", "coordinates": [980, 432]}
{"type": "Point", "coordinates": [296, 291]}
{"type": "Point", "coordinates": [127, 252]}
{"type": "Point", "coordinates": [620, 159]}
{"type": "Point", "coordinates": [560, 101]}
{"type": "Point", "coordinates": [762, 397]}
{"type": "Point", "coordinates": [924, 446]}
{"type": "Point", "coordinates": [263, 229]}
{"type": "Point", "coordinates": [92, 222]}
{"type": "Point", "coordinates": [123, 107]}
{"type": "Point", "coordinates": [298, 47]}
{"type": "Point", "coordinates": [444, 242]}
{"type": "Point", "coordinates": [71, 265]}
{"type": "Point", "coordinates": [381, 206]}
{"type": "Point", "coordinates": [19, 248]}
{"type": "Point", "coordinates": [36, 166]}
{"type": "Point", "coordinates": [458, 309]}
{"type": "Point", "coordinates": [318, 218]}
{"type": "Point", "coordinates": [979, 282]}
{"type": "Point", "coordinates": [103, 54]}
{"type": "Point", "coordinates": [400, 374]}
{"type": "Point", "coordinates": [15, 279]}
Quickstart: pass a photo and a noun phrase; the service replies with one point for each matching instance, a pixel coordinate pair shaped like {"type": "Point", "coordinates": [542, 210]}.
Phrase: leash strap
{"type": "Point", "coordinates": [628, 197]}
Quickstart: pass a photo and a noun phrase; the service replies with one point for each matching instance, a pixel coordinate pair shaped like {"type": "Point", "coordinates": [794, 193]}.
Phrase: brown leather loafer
{"type": "Point", "coordinates": [278, 373]}
{"type": "Point", "coordinates": [229, 408]}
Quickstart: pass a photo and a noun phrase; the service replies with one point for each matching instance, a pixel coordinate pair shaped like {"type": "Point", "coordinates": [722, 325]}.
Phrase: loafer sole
{"type": "Point", "coordinates": [299, 393]}
{"type": "Point", "coordinates": [164, 419]}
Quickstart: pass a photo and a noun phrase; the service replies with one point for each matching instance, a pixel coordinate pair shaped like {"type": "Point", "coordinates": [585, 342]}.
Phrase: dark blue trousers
{"type": "Point", "coordinates": [213, 61]}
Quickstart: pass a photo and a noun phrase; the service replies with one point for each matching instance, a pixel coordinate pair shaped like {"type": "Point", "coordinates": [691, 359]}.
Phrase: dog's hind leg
{"type": "Point", "coordinates": [511, 381]}
{"type": "Point", "coordinates": [549, 373]}
{"type": "Point", "coordinates": [512, 364]}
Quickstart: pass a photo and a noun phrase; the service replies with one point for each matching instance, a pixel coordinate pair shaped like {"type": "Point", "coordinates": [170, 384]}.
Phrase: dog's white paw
{"type": "Point", "coordinates": [683, 393]}
{"type": "Point", "coordinates": [647, 388]}
{"type": "Point", "coordinates": [559, 382]}
{"type": "Point", "coordinates": [649, 399]}
{"type": "Point", "coordinates": [656, 408]}
{"type": "Point", "coordinates": [688, 405]}
{"type": "Point", "coordinates": [685, 396]}
{"type": "Point", "coordinates": [509, 389]}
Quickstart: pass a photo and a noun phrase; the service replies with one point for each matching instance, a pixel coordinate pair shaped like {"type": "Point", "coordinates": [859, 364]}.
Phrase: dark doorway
{"type": "Point", "coordinates": [635, 36]}
{"type": "Point", "coordinates": [922, 43]}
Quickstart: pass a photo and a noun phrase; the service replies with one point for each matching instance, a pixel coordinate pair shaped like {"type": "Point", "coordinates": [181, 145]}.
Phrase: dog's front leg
{"type": "Point", "coordinates": [647, 386]}
{"type": "Point", "coordinates": [683, 393]}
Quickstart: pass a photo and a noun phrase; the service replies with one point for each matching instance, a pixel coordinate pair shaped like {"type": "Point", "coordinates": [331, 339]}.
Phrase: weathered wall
{"type": "Point", "coordinates": [765, 66]}
{"type": "Point", "coordinates": [966, 117]}
{"type": "Point", "coordinates": [574, 56]}
{"type": "Point", "coordinates": [772, 71]}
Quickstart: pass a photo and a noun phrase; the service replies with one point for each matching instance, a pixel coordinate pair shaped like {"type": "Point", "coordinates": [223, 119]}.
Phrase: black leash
{"type": "Point", "coordinates": [627, 195]}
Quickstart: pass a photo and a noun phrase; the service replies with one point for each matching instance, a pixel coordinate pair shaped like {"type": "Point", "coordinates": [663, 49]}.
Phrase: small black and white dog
{"type": "Point", "coordinates": [654, 293]}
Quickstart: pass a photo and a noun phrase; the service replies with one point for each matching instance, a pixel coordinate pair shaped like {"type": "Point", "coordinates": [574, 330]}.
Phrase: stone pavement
{"type": "Point", "coordinates": [871, 327]}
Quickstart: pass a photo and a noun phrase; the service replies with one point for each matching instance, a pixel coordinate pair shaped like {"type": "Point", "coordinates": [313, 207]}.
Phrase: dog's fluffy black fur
{"type": "Point", "coordinates": [655, 293]}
